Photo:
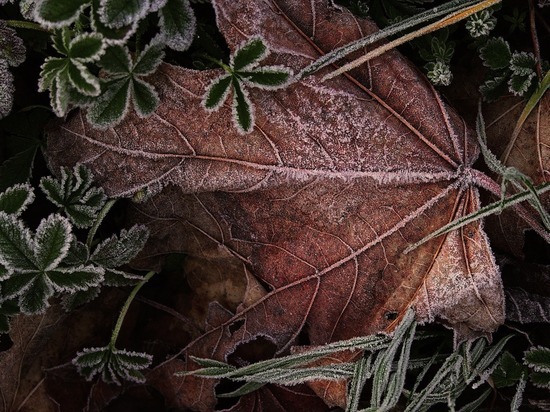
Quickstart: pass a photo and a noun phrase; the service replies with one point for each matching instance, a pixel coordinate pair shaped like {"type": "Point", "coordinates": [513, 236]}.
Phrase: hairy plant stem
{"type": "Point", "coordinates": [29, 25]}
{"type": "Point", "coordinates": [91, 234]}
{"type": "Point", "coordinates": [125, 308]}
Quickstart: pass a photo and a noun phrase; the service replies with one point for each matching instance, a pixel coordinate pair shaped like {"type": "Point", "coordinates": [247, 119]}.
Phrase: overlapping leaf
{"type": "Point", "coordinates": [74, 193]}
{"type": "Point", "coordinates": [319, 200]}
{"type": "Point", "coordinates": [33, 262]}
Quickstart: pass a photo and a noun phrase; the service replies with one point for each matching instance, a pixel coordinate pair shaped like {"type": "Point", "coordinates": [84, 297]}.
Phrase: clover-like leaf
{"type": "Point", "coordinates": [125, 85]}
{"type": "Point", "coordinates": [119, 13]}
{"type": "Point", "coordinates": [112, 36]}
{"type": "Point", "coordinates": [16, 244]}
{"type": "Point", "coordinates": [15, 199]}
{"type": "Point", "coordinates": [217, 92]}
{"type": "Point", "coordinates": [249, 54]}
{"type": "Point", "coordinates": [74, 193]}
{"type": "Point", "coordinates": [55, 13]}
{"type": "Point", "coordinates": [242, 72]}
{"type": "Point", "coordinates": [79, 298]}
{"type": "Point", "coordinates": [32, 262]}
{"type": "Point", "coordinates": [119, 250]}
{"type": "Point", "coordinates": [522, 63]}
{"type": "Point", "coordinates": [177, 24]}
{"type": "Point", "coordinates": [63, 74]}
{"type": "Point", "coordinates": [112, 364]}
{"type": "Point", "coordinates": [496, 53]}
{"type": "Point", "coordinates": [519, 84]}
{"type": "Point", "coordinates": [52, 241]}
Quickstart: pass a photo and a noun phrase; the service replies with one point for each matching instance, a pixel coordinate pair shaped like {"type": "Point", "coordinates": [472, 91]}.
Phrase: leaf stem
{"type": "Point", "coordinates": [29, 25]}
{"type": "Point", "coordinates": [219, 63]}
{"type": "Point", "coordinates": [444, 22]}
{"type": "Point", "coordinates": [91, 234]}
{"type": "Point", "coordinates": [529, 106]}
{"type": "Point", "coordinates": [125, 308]}
{"type": "Point", "coordinates": [481, 213]}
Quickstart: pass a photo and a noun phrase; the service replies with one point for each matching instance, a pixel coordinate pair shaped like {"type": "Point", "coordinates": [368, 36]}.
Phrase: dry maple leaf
{"type": "Point", "coordinates": [319, 201]}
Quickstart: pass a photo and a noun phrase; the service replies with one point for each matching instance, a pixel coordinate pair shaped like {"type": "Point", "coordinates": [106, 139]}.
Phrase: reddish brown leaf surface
{"type": "Point", "coordinates": [528, 151]}
{"type": "Point", "coordinates": [319, 201]}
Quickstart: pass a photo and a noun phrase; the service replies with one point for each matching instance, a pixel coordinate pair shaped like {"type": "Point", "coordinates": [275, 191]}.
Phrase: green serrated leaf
{"type": "Point", "coordinates": [522, 63]}
{"type": "Point", "coordinates": [242, 109]}
{"type": "Point", "coordinates": [538, 359]}
{"type": "Point", "coordinates": [116, 60]}
{"type": "Point", "coordinates": [132, 360]}
{"type": "Point", "coordinates": [74, 193]}
{"type": "Point", "coordinates": [86, 47]}
{"type": "Point", "coordinates": [496, 53]}
{"type": "Point", "coordinates": [177, 24]}
{"type": "Point", "coordinates": [540, 379]}
{"type": "Point", "coordinates": [59, 94]}
{"type": "Point", "coordinates": [82, 80]}
{"type": "Point", "coordinates": [77, 254]}
{"type": "Point", "coordinates": [16, 245]}
{"type": "Point", "coordinates": [91, 357]}
{"type": "Point", "coordinates": [149, 60]}
{"type": "Point", "coordinates": [17, 284]}
{"type": "Point", "coordinates": [52, 241]}
{"type": "Point", "coordinates": [119, 250]}
{"type": "Point", "coordinates": [509, 371]}
{"type": "Point", "coordinates": [249, 54]}
{"type": "Point", "coordinates": [77, 278]}
{"type": "Point", "coordinates": [145, 98]}
{"type": "Point", "coordinates": [112, 36]}
{"type": "Point", "coordinates": [79, 298]}
{"type": "Point", "coordinates": [519, 84]}
{"type": "Point", "coordinates": [267, 77]}
{"type": "Point", "coordinates": [50, 69]}
{"type": "Point", "coordinates": [119, 13]}
{"type": "Point", "coordinates": [217, 92]}
{"type": "Point", "coordinates": [15, 199]}
{"type": "Point", "coordinates": [494, 87]}
{"type": "Point", "coordinates": [119, 278]}
{"type": "Point", "coordinates": [110, 108]}
{"type": "Point", "coordinates": [35, 297]}
{"type": "Point", "coordinates": [56, 13]}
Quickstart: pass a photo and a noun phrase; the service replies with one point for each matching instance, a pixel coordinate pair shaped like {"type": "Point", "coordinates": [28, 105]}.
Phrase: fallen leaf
{"type": "Point", "coordinates": [528, 151]}
{"type": "Point", "coordinates": [319, 201]}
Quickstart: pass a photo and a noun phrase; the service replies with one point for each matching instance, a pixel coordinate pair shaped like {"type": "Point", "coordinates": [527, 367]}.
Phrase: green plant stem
{"type": "Point", "coordinates": [481, 213]}
{"type": "Point", "coordinates": [91, 234]}
{"type": "Point", "coordinates": [446, 21]}
{"type": "Point", "coordinates": [125, 308]}
{"type": "Point", "coordinates": [29, 25]}
{"type": "Point", "coordinates": [219, 63]}
{"type": "Point", "coordinates": [529, 106]}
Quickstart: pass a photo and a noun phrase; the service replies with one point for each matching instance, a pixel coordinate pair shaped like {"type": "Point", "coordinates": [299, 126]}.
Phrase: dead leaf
{"type": "Point", "coordinates": [319, 202]}
{"type": "Point", "coordinates": [528, 151]}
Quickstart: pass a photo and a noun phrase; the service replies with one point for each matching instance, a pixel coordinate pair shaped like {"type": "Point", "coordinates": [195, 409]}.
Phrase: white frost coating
{"type": "Point", "coordinates": [178, 38]}
{"type": "Point", "coordinates": [89, 79]}
{"type": "Point", "coordinates": [12, 190]}
{"type": "Point", "coordinates": [463, 279]}
{"type": "Point", "coordinates": [223, 97]}
{"type": "Point", "coordinates": [254, 62]}
{"type": "Point", "coordinates": [15, 230]}
{"type": "Point", "coordinates": [55, 25]}
{"type": "Point", "coordinates": [124, 19]}
{"type": "Point", "coordinates": [271, 69]}
{"type": "Point", "coordinates": [53, 225]}
{"type": "Point", "coordinates": [251, 111]}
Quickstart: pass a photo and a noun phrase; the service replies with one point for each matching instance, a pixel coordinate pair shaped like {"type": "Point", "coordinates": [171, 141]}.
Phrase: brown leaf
{"type": "Point", "coordinates": [319, 201]}
{"type": "Point", "coordinates": [528, 151]}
